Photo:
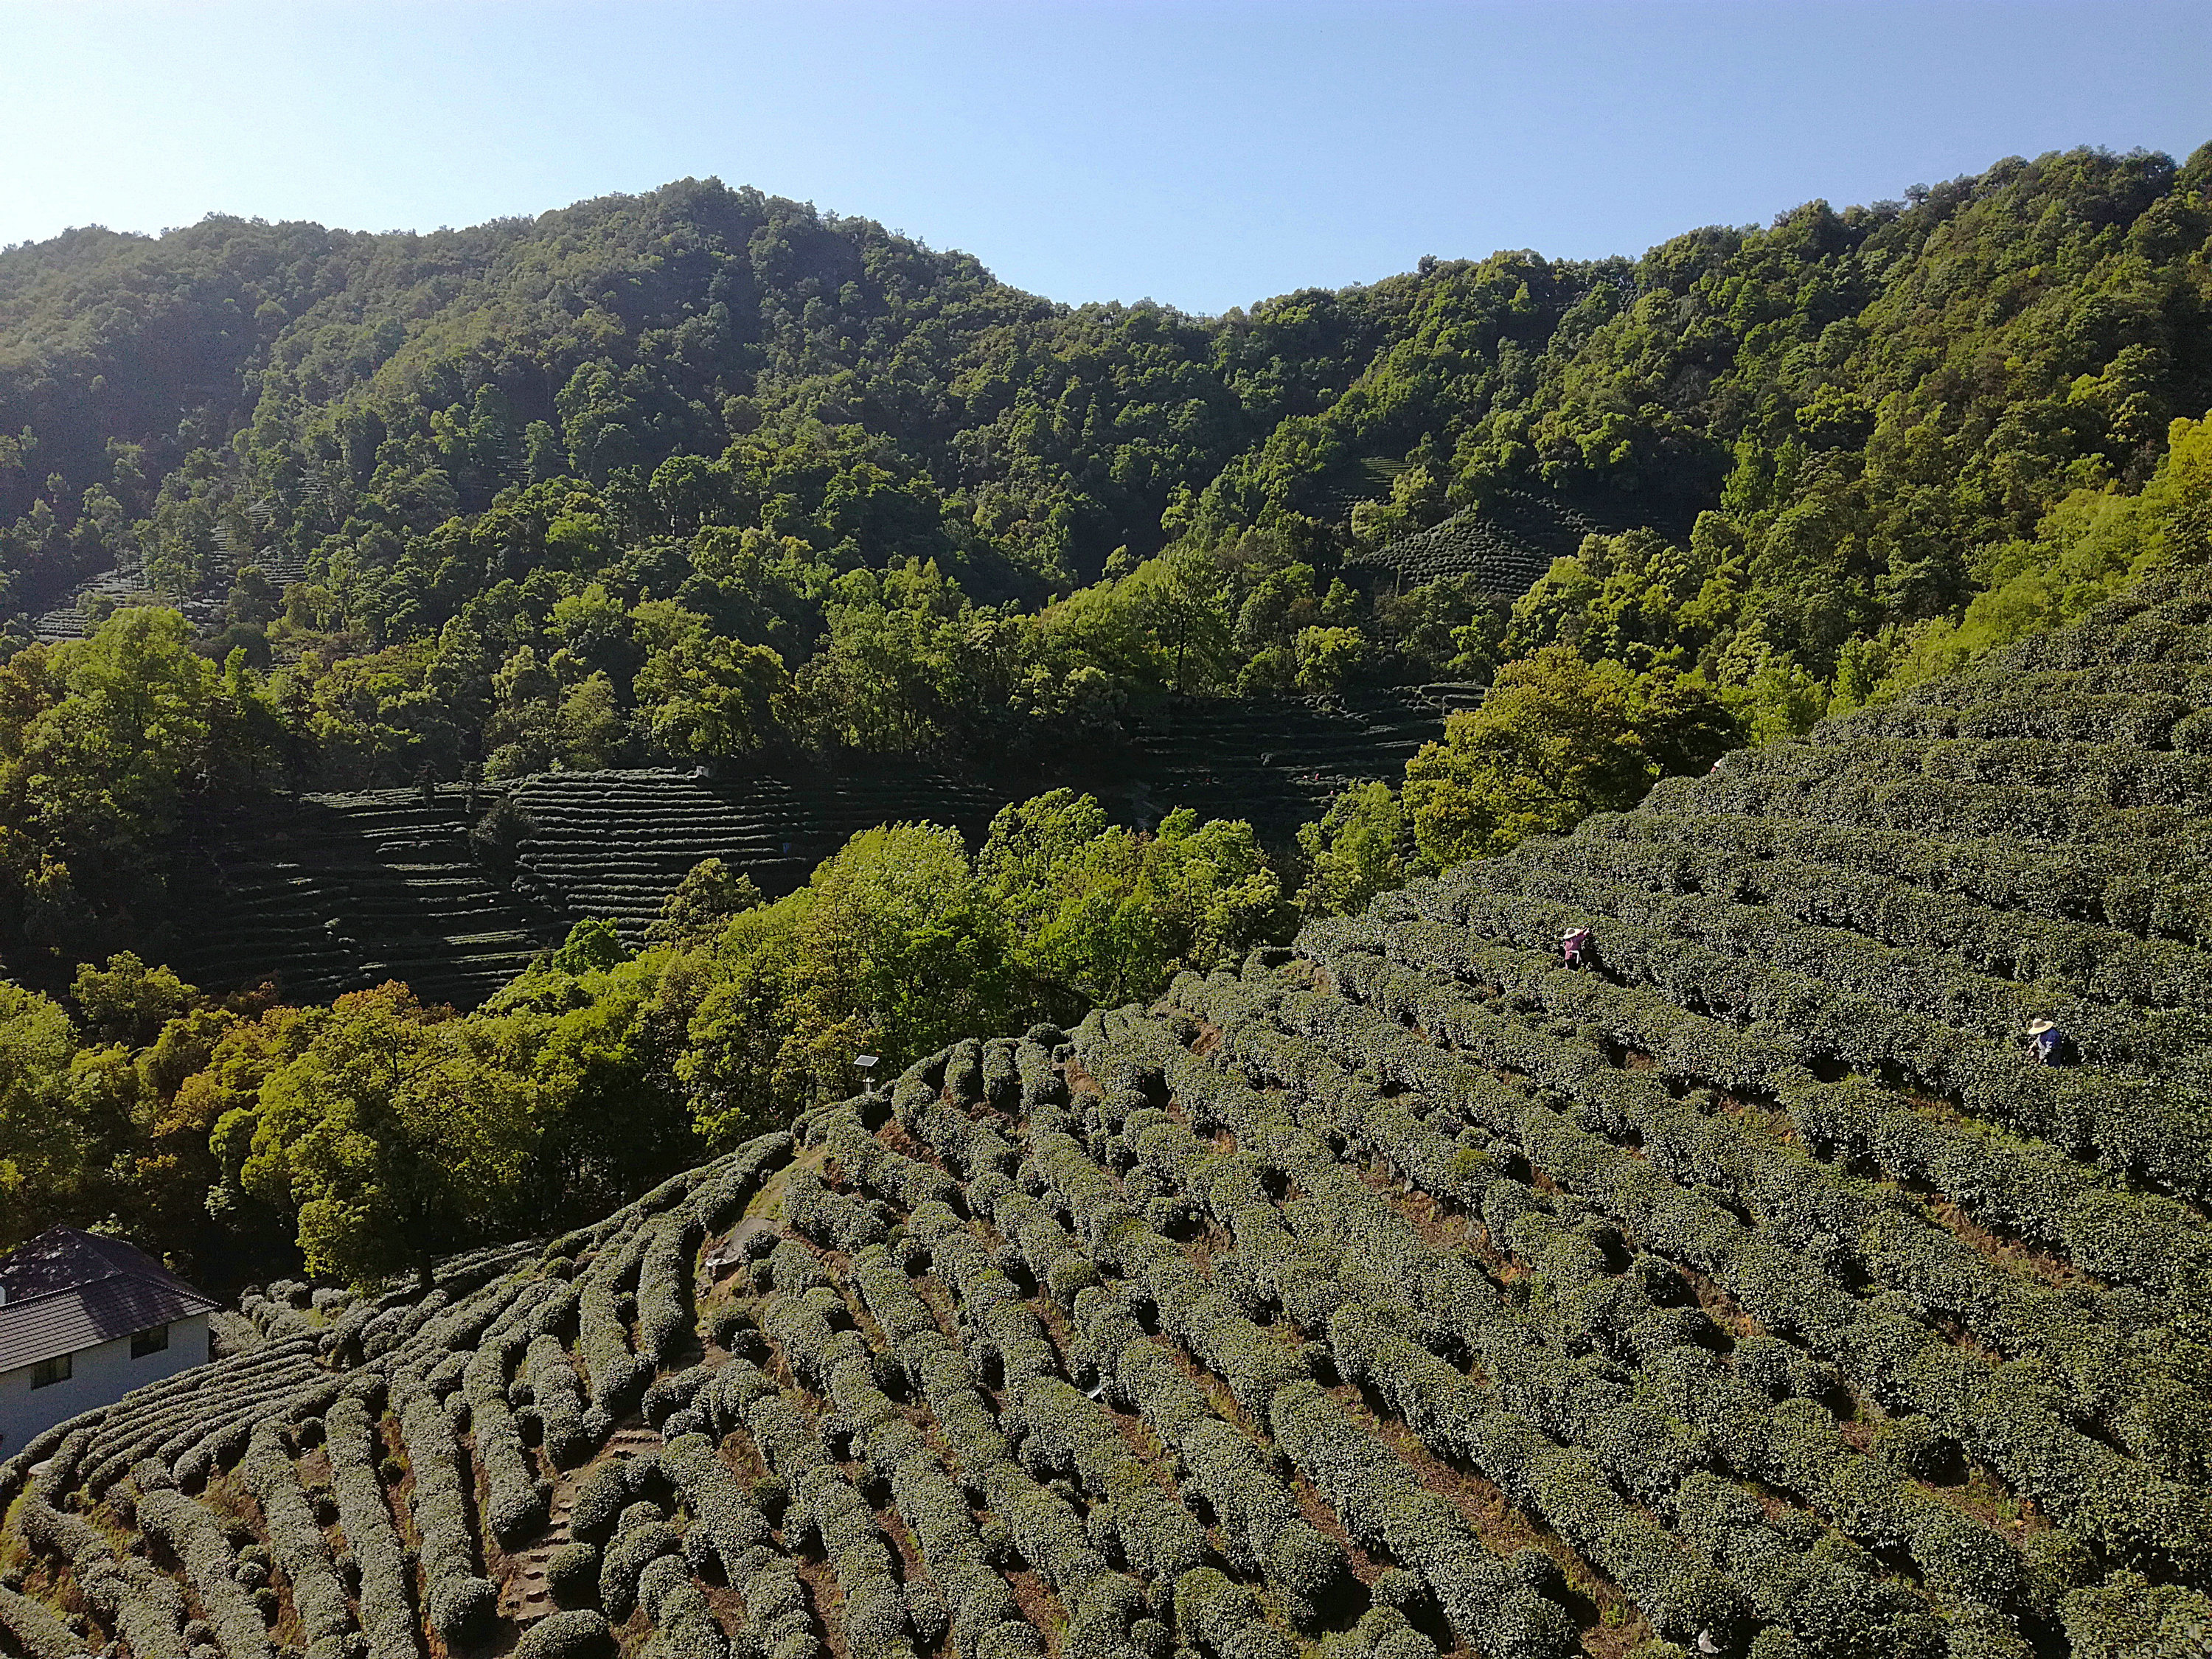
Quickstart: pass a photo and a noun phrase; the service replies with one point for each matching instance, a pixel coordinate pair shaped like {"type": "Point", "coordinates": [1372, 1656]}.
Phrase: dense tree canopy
{"type": "Point", "coordinates": [653, 438]}
{"type": "Point", "coordinates": [1556, 740]}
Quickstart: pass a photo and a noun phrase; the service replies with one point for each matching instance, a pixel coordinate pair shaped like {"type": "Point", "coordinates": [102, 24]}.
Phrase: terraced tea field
{"type": "Point", "coordinates": [333, 893]}
{"type": "Point", "coordinates": [1278, 761]}
{"type": "Point", "coordinates": [125, 584]}
{"type": "Point", "coordinates": [68, 618]}
{"type": "Point", "coordinates": [615, 843]}
{"type": "Point", "coordinates": [1405, 1294]}
{"type": "Point", "coordinates": [1505, 544]}
{"type": "Point", "coordinates": [338, 892]}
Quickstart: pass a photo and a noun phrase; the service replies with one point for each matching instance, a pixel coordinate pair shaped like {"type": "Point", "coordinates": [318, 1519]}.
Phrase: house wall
{"type": "Point", "coordinates": [98, 1376]}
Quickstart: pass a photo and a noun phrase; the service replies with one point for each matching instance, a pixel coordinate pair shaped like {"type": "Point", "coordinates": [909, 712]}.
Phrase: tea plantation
{"type": "Point", "coordinates": [1278, 761]}
{"type": "Point", "coordinates": [331, 893]}
{"type": "Point", "coordinates": [1756, 1291]}
{"type": "Point", "coordinates": [615, 843]}
{"type": "Point", "coordinates": [1505, 544]}
{"type": "Point", "coordinates": [336, 892]}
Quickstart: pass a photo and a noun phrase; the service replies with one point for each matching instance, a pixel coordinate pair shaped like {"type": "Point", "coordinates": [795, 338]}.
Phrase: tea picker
{"type": "Point", "coordinates": [2047, 1042]}
{"type": "Point", "coordinates": [1575, 949]}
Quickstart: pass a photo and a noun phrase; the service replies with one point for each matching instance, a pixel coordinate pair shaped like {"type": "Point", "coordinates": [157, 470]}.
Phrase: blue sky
{"type": "Point", "coordinates": [1203, 154]}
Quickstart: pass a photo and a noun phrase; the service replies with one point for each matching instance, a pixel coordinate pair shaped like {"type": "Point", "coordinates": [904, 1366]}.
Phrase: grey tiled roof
{"type": "Point", "coordinates": [67, 1291]}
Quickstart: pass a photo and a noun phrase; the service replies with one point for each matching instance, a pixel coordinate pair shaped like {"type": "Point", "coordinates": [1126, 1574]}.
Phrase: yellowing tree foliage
{"type": "Point", "coordinates": [1556, 739]}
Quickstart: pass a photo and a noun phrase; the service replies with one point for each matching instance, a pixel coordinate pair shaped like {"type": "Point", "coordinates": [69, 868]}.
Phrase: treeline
{"type": "Point", "coordinates": [674, 429]}
{"type": "Point", "coordinates": [107, 746]}
{"type": "Point", "coordinates": [377, 1131]}
{"type": "Point", "coordinates": [1607, 684]}
{"type": "Point", "coordinates": [237, 387]}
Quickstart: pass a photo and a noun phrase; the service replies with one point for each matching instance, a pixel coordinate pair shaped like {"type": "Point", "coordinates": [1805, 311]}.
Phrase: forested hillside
{"type": "Point", "coordinates": [1751, 1292]}
{"type": "Point", "coordinates": [705, 475]}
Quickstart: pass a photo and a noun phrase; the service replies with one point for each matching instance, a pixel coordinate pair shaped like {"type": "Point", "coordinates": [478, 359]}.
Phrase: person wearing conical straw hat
{"type": "Point", "coordinates": [2047, 1041]}
{"type": "Point", "coordinates": [1575, 948]}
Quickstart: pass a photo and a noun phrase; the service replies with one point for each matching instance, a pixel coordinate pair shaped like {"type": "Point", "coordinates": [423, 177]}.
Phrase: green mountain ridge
{"type": "Point", "coordinates": [1052, 434]}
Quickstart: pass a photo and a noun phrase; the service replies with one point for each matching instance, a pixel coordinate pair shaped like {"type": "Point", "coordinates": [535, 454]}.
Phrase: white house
{"type": "Point", "coordinates": [83, 1321]}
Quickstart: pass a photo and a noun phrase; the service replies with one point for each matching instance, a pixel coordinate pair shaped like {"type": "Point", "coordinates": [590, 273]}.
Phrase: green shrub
{"type": "Point", "coordinates": [576, 1633]}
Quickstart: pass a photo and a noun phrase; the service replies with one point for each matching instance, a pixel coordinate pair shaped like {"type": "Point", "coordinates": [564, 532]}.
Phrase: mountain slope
{"type": "Point", "coordinates": [1919, 380]}
{"type": "Point", "coordinates": [1756, 1293]}
{"type": "Point", "coordinates": [403, 378]}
